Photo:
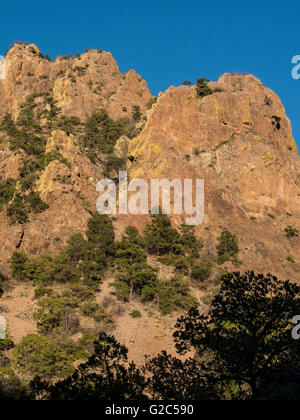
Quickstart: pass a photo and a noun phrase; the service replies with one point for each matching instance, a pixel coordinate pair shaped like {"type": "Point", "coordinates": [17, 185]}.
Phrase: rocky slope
{"type": "Point", "coordinates": [238, 139]}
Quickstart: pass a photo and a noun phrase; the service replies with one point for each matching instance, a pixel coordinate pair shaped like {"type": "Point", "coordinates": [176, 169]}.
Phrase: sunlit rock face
{"type": "Point", "coordinates": [2, 68]}
{"type": "Point", "coordinates": [238, 139]}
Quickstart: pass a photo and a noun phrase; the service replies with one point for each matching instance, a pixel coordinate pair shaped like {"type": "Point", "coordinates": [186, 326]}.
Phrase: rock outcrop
{"type": "Point", "coordinates": [239, 140]}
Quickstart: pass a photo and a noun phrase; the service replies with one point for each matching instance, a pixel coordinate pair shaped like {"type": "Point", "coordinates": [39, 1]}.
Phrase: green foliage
{"type": "Point", "coordinates": [93, 310]}
{"type": "Point", "coordinates": [101, 234]}
{"type": "Point", "coordinates": [49, 315]}
{"type": "Point", "coordinates": [173, 379]}
{"type": "Point", "coordinates": [112, 164]}
{"type": "Point", "coordinates": [106, 375]}
{"type": "Point", "coordinates": [201, 272]}
{"type": "Point", "coordinates": [132, 236]}
{"type": "Point", "coordinates": [291, 232]}
{"type": "Point", "coordinates": [137, 278]}
{"type": "Point", "coordinates": [35, 203]}
{"type": "Point", "coordinates": [180, 263]}
{"type": "Point", "coordinates": [11, 388]}
{"type": "Point", "coordinates": [243, 350]}
{"type": "Point", "coordinates": [227, 247]}
{"type": "Point", "coordinates": [202, 88]}
{"type": "Point", "coordinates": [37, 355]}
{"type": "Point", "coordinates": [6, 344]}
{"type": "Point", "coordinates": [134, 275]}
{"type": "Point", "coordinates": [247, 333]}
{"type": "Point", "coordinates": [60, 310]}
{"type": "Point", "coordinates": [191, 245]}
{"type": "Point", "coordinates": [101, 135]}
{"type": "Point", "coordinates": [135, 314]}
{"type": "Point", "coordinates": [18, 263]}
{"type": "Point", "coordinates": [25, 134]}
{"type": "Point", "coordinates": [136, 113]}
{"type": "Point", "coordinates": [161, 239]}
{"type": "Point", "coordinates": [42, 291]}
{"type": "Point", "coordinates": [17, 211]}
{"type": "Point", "coordinates": [7, 191]}
{"type": "Point", "coordinates": [22, 205]}
{"type": "Point", "coordinates": [82, 259]}
{"type": "Point", "coordinates": [67, 124]}
{"type": "Point", "coordinates": [175, 295]}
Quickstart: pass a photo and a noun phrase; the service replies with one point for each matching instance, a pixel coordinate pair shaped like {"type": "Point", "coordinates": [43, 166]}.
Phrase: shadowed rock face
{"type": "Point", "coordinates": [239, 140]}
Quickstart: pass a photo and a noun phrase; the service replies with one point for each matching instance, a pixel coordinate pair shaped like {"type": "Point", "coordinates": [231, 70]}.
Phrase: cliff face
{"type": "Point", "coordinates": [239, 140]}
{"type": "Point", "coordinates": [79, 85]}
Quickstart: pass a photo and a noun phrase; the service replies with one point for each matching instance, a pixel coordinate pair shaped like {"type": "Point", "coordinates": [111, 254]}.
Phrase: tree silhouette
{"type": "Point", "coordinates": [105, 376]}
{"type": "Point", "coordinates": [247, 333]}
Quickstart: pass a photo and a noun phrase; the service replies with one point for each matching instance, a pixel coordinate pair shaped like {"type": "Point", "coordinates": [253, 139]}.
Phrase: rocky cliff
{"type": "Point", "coordinates": [66, 124]}
{"type": "Point", "coordinates": [238, 139]}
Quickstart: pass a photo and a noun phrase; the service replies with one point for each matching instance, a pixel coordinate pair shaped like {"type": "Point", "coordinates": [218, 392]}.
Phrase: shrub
{"type": "Point", "coordinates": [202, 88]}
{"type": "Point", "coordinates": [42, 291]}
{"type": "Point", "coordinates": [138, 279]}
{"type": "Point", "coordinates": [49, 314]}
{"type": "Point", "coordinates": [131, 235]}
{"type": "Point", "coordinates": [18, 264]}
{"type": "Point", "coordinates": [101, 134]}
{"type": "Point", "coordinates": [135, 314]}
{"type": "Point", "coordinates": [223, 258]}
{"type": "Point", "coordinates": [201, 272]}
{"type": "Point", "coordinates": [136, 113]}
{"type": "Point", "coordinates": [67, 124]}
{"type": "Point", "coordinates": [17, 211]}
{"type": "Point", "coordinates": [35, 203]}
{"type": "Point", "coordinates": [175, 295]}
{"type": "Point", "coordinates": [101, 234]}
{"type": "Point", "coordinates": [36, 355]}
{"type": "Point", "coordinates": [291, 232]}
{"type": "Point", "coordinates": [22, 205]}
{"type": "Point", "coordinates": [191, 245]}
{"type": "Point", "coordinates": [113, 164]}
{"type": "Point", "coordinates": [268, 100]}
{"type": "Point", "coordinates": [93, 310]}
{"type": "Point", "coordinates": [11, 388]}
{"type": "Point", "coordinates": [6, 344]}
{"type": "Point", "coordinates": [7, 191]}
{"type": "Point", "coordinates": [182, 265]}
{"type": "Point", "coordinates": [228, 244]}
{"type": "Point", "coordinates": [161, 239]}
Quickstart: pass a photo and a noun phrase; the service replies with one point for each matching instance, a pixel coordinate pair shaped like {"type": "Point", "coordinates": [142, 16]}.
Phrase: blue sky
{"type": "Point", "coordinates": [167, 41]}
